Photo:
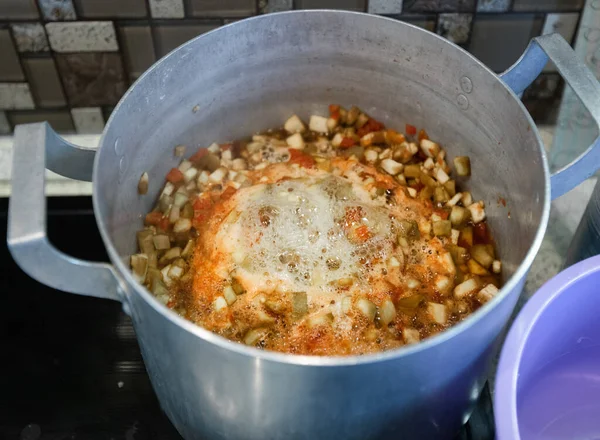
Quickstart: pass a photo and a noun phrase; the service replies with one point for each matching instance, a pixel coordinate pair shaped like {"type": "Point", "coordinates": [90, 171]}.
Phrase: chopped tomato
{"type": "Point", "coordinates": [370, 126]}
{"type": "Point", "coordinates": [442, 213]}
{"type": "Point", "coordinates": [480, 233]}
{"type": "Point", "coordinates": [300, 158]}
{"type": "Point", "coordinates": [347, 142]}
{"type": "Point", "coordinates": [226, 147]}
{"type": "Point", "coordinates": [153, 218]}
{"type": "Point", "coordinates": [393, 137]}
{"type": "Point", "coordinates": [411, 130]}
{"type": "Point", "coordinates": [422, 135]}
{"type": "Point", "coordinates": [175, 176]}
{"type": "Point", "coordinates": [334, 111]}
{"type": "Point", "coordinates": [228, 193]}
{"type": "Point", "coordinates": [198, 155]}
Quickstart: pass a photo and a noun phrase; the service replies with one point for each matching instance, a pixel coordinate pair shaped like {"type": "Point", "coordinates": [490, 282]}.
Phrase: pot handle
{"type": "Point", "coordinates": [37, 146]}
{"type": "Point", "coordinates": [582, 81]}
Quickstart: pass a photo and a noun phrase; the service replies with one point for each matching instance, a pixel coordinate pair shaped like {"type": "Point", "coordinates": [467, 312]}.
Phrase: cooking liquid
{"type": "Point", "coordinates": [563, 400]}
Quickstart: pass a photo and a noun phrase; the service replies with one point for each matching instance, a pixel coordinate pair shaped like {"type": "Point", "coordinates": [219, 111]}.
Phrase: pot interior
{"type": "Point", "coordinates": [254, 74]}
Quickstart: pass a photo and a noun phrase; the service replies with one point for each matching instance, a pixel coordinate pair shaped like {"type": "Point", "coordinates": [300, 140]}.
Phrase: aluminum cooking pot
{"type": "Point", "coordinates": [250, 76]}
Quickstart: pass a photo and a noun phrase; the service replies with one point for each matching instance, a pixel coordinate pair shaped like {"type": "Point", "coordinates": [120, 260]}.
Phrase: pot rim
{"type": "Point", "coordinates": [324, 361]}
{"type": "Point", "coordinates": [507, 375]}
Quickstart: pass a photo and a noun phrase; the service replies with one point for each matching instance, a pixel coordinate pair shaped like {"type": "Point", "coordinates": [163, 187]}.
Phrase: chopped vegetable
{"type": "Point", "coordinates": [442, 228]}
{"type": "Point", "coordinates": [462, 165]}
{"type": "Point", "coordinates": [143, 184]}
{"type": "Point", "coordinates": [175, 176]}
{"type": "Point", "coordinates": [487, 293]}
{"type": "Point", "coordinates": [477, 212]}
{"type": "Point", "coordinates": [466, 288]}
{"type": "Point", "coordinates": [179, 151]}
{"type": "Point", "coordinates": [318, 124]}
{"type": "Point", "coordinates": [411, 130]}
{"type": "Point", "coordinates": [481, 254]}
{"type": "Point", "coordinates": [438, 312]}
{"type": "Point", "coordinates": [367, 308]}
{"type": "Point", "coordinates": [295, 141]}
{"type": "Point", "coordinates": [387, 312]}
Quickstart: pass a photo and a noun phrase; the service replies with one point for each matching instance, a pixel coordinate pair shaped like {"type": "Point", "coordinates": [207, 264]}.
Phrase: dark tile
{"type": "Point", "coordinates": [44, 82]}
{"type": "Point", "coordinates": [10, 69]}
{"type": "Point", "coordinates": [499, 40]}
{"type": "Point", "coordinates": [455, 27]}
{"type": "Point", "coordinates": [138, 48]}
{"type": "Point", "coordinates": [92, 79]}
{"type": "Point", "coordinates": [438, 5]}
{"type": "Point", "coordinates": [60, 120]}
{"type": "Point", "coordinates": [111, 8]}
{"type": "Point", "coordinates": [353, 5]}
{"type": "Point", "coordinates": [423, 21]}
{"type": "Point", "coordinates": [547, 5]}
{"type": "Point", "coordinates": [168, 37]}
{"type": "Point", "coordinates": [493, 5]}
{"type": "Point", "coordinates": [222, 8]}
{"type": "Point", "coordinates": [18, 10]}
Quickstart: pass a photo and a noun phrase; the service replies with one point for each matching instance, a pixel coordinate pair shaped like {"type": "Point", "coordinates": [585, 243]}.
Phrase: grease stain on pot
{"type": "Point", "coordinates": [466, 85]}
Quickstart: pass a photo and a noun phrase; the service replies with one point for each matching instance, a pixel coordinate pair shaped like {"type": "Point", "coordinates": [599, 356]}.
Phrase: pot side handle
{"type": "Point", "coordinates": [35, 147]}
{"type": "Point", "coordinates": [582, 81]}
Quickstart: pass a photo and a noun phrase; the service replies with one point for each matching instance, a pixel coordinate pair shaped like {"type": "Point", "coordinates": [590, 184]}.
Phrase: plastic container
{"type": "Point", "coordinates": [548, 378]}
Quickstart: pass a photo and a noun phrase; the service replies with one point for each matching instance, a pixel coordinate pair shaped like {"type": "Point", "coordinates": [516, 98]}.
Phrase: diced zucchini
{"type": "Point", "coordinates": [476, 269]}
{"type": "Point", "coordinates": [458, 215]}
{"type": "Point", "coordinates": [480, 253]}
{"type": "Point", "coordinates": [440, 195]}
{"type": "Point", "coordinates": [442, 228]}
{"type": "Point", "coordinates": [412, 171]}
{"type": "Point", "coordinates": [161, 242]}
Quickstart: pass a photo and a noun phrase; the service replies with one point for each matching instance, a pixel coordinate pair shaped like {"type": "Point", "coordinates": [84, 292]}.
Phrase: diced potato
{"type": "Point", "coordinates": [410, 335]}
{"type": "Point", "coordinates": [412, 171]}
{"type": "Point", "coordinates": [175, 272]}
{"type": "Point", "coordinates": [170, 255]}
{"type": "Point", "coordinates": [454, 234]}
{"type": "Point", "coordinates": [476, 269]}
{"type": "Point", "coordinates": [430, 148]}
{"type": "Point", "coordinates": [296, 141]}
{"type": "Point", "coordinates": [450, 186]}
{"type": "Point", "coordinates": [182, 225]}
{"type": "Point", "coordinates": [412, 192]}
{"type": "Point", "coordinates": [428, 164]}
{"type": "Point", "coordinates": [371, 155]}
{"type": "Point", "coordinates": [318, 124]}
{"type": "Point", "coordinates": [427, 180]}
{"type": "Point", "coordinates": [337, 140]}
{"type": "Point", "coordinates": [487, 293]}
{"type": "Point", "coordinates": [465, 288]}
{"type": "Point", "coordinates": [255, 335]}
{"type": "Point", "coordinates": [477, 212]}
{"type": "Point", "coordinates": [332, 123]}
{"type": "Point", "coordinates": [229, 294]}
{"type": "Point", "coordinates": [424, 227]}
{"type": "Point", "coordinates": [161, 242]}
{"type": "Point", "coordinates": [467, 198]}
{"type": "Point", "coordinates": [387, 312]}
{"type": "Point", "coordinates": [443, 284]}
{"type": "Point", "coordinates": [218, 176]}
{"type": "Point", "coordinates": [454, 200]}
{"type": "Point", "coordinates": [391, 166]}
{"type": "Point", "coordinates": [480, 253]}
{"type": "Point", "coordinates": [497, 266]}
{"type": "Point", "coordinates": [462, 165]}
{"type": "Point", "coordinates": [184, 166]}
{"type": "Point", "coordinates": [320, 319]}
{"type": "Point", "coordinates": [438, 312]}
{"type": "Point", "coordinates": [441, 176]}
{"type": "Point", "coordinates": [294, 125]}
{"type": "Point", "coordinates": [367, 308]}
{"type": "Point", "coordinates": [401, 179]}
{"type": "Point", "coordinates": [442, 228]}
{"type": "Point", "coordinates": [458, 215]}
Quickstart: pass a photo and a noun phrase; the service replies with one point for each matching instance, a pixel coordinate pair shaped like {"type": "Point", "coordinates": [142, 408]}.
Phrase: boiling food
{"type": "Point", "coordinates": [339, 237]}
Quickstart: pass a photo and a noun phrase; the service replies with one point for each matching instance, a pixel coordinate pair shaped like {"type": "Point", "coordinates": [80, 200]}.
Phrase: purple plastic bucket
{"type": "Point", "coordinates": [548, 378]}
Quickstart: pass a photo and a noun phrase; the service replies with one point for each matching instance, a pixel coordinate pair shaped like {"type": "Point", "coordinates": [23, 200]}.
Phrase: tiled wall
{"type": "Point", "coordinates": [69, 61]}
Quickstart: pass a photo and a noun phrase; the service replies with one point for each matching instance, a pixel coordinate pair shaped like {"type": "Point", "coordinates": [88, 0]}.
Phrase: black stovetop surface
{"type": "Point", "coordinates": [71, 367]}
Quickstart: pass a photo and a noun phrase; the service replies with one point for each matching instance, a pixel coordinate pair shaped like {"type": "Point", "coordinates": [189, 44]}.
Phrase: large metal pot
{"type": "Point", "coordinates": [250, 76]}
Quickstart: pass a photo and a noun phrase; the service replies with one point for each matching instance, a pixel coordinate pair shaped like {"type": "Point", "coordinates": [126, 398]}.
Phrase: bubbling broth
{"type": "Point", "coordinates": [340, 238]}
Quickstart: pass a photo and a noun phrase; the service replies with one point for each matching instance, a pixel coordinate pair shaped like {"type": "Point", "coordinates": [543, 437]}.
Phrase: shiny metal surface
{"type": "Point", "coordinates": [250, 76]}
{"type": "Point", "coordinates": [583, 83]}
{"type": "Point", "coordinates": [586, 241]}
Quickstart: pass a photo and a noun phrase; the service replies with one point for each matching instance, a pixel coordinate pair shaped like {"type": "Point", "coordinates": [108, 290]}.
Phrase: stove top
{"type": "Point", "coordinates": [72, 368]}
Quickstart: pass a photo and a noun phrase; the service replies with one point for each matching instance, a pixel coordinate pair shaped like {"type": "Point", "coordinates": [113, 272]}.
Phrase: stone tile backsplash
{"type": "Point", "coordinates": [70, 61]}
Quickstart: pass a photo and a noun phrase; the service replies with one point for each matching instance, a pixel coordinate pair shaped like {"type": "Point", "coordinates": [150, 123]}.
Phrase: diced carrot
{"type": "Point", "coordinates": [334, 111]}
{"type": "Point", "coordinates": [411, 130]}
{"type": "Point", "coordinates": [347, 142]}
{"type": "Point", "coordinates": [175, 176]}
{"type": "Point", "coordinates": [198, 155]}
{"type": "Point", "coordinates": [300, 158]}
{"type": "Point", "coordinates": [422, 135]}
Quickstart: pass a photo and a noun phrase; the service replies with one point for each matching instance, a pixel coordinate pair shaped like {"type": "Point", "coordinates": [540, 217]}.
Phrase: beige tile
{"type": "Point", "coordinates": [138, 48]}
{"type": "Point", "coordinates": [18, 10]}
{"type": "Point", "coordinates": [88, 120]}
{"type": "Point", "coordinates": [15, 96]}
{"type": "Point", "coordinates": [353, 5]}
{"type": "Point", "coordinates": [168, 37]}
{"type": "Point", "coordinates": [57, 10]}
{"type": "Point", "coordinates": [385, 6]}
{"type": "Point", "coordinates": [111, 8]}
{"type": "Point", "coordinates": [30, 37]}
{"type": "Point", "coordinates": [222, 8]}
{"type": "Point", "coordinates": [45, 84]}
{"type": "Point", "coordinates": [60, 120]}
{"type": "Point", "coordinates": [82, 36]}
{"type": "Point", "coordinates": [10, 68]}
{"type": "Point", "coordinates": [166, 8]}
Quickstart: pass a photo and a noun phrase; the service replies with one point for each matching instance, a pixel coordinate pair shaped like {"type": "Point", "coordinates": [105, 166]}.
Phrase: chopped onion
{"type": "Point", "coordinates": [219, 303]}
{"type": "Point", "coordinates": [411, 335]}
{"type": "Point", "coordinates": [254, 336]}
{"type": "Point", "coordinates": [184, 166]}
{"type": "Point", "coordinates": [477, 212]}
{"type": "Point", "coordinates": [229, 295]}
{"type": "Point", "coordinates": [431, 149]}
{"type": "Point", "coordinates": [190, 174]}
{"type": "Point", "coordinates": [218, 175]}
{"type": "Point", "coordinates": [476, 269]}
{"type": "Point", "coordinates": [465, 288]}
{"type": "Point", "coordinates": [175, 272]}
{"type": "Point", "coordinates": [139, 266]}
{"type": "Point", "coordinates": [387, 312]}
{"type": "Point", "coordinates": [180, 199]}
{"type": "Point", "coordinates": [487, 293]}
{"type": "Point", "coordinates": [438, 312]}
{"type": "Point", "coordinates": [294, 125]}
{"type": "Point", "coordinates": [295, 141]}
{"type": "Point", "coordinates": [318, 124]}
{"type": "Point", "coordinates": [392, 167]}
{"type": "Point", "coordinates": [497, 266]}
{"type": "Point", "coordinates": [174, 214]}
{"type": "Point", "coordinates": [170, 255]}
{"type": "Point", "coordinates": [214, 148]}
{"type": "Point", "coordinates": [462, 165]}
{"type": "Point", "coordinates": [367, 308]}
{"type": "Point", "coordinates": [480, 253]}
{"type": "Point", "coordinates": [168, 189]}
